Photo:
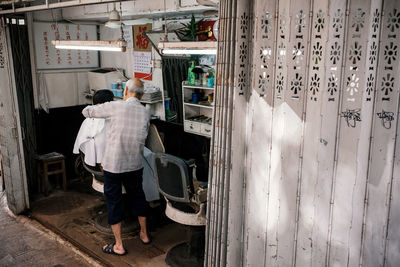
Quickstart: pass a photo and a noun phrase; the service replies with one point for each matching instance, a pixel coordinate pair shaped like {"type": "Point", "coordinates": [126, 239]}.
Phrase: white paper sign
{"type": "Point", "coordinates": [47, 57]}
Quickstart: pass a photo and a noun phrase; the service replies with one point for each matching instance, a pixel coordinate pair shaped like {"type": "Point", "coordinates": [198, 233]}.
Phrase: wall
{"type": "Point", "coordinates": [320, 150]}
{"type": "Point", "coordinates": [63, 87]}
{"type": "Point", "coordinates": [67, 88]}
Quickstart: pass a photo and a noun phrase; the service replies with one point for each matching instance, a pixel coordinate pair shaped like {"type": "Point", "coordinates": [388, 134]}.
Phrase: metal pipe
{"type": "Point", "coordinates": [219, 88]}
{"type": "Point", "coordinates": [55, 5]}
{"type": "Point", "coordinates": [222, 134]}
{"type": "Point", "coordinates": [220, 147]}
{"type": "Point", "coordinates": [220, 73]}
{"type": "Point", "coordinates": [228, 132]}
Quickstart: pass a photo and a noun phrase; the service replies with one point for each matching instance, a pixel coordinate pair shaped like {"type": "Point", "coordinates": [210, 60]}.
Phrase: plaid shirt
{"type": "Point", "coordinates": [126, 133]}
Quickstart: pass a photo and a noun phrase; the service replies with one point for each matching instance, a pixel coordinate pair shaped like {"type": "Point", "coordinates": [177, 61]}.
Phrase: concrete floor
{"type": "Point", "coordinates": [22, 243]}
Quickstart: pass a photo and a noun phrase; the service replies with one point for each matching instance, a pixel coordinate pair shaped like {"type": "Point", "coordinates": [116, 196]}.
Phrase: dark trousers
{"type": "Point", "coordinates": [132, 182]}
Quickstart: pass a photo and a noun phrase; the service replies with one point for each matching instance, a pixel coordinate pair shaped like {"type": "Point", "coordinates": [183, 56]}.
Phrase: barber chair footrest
{"type": "Point", "coordinates": [194, 219]}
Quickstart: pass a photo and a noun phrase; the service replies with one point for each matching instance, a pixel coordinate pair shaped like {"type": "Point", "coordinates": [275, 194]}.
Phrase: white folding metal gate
{"type": "Point", "coordinates": [305, 155]}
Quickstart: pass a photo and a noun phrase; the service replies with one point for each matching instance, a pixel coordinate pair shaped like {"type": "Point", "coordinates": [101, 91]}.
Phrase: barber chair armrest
{"type": "Point", "coordinates": [191, 163]}
{"type": "Point", "coordinates": [200, 192]}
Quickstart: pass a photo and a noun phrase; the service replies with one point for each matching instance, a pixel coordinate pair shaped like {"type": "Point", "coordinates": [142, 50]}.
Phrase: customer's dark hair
{"type": "Point", "coordinates": [102, 96]}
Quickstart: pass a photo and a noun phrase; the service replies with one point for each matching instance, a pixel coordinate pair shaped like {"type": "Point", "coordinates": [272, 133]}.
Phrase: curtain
{"type": "Point", "coordinates": [174, 73]}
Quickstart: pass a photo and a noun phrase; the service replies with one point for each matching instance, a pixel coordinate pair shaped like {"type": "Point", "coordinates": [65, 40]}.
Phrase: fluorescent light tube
{"type": "Point", "coordinates": [188, 48]}
{"type": "Point", "coordinates": [82, 47]}
{"type": "Point", "coordinates": [116, 46]}
{"type": "Point", "coordinates": [189, 51]}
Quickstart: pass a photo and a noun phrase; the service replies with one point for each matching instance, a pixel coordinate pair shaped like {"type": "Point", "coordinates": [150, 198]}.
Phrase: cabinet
{"type": "Point", "coordinates": [198, 108]}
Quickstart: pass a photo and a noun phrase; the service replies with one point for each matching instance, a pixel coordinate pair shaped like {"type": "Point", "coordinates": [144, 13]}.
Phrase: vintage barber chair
{"type": "Point", "coordinates": [186, 204]}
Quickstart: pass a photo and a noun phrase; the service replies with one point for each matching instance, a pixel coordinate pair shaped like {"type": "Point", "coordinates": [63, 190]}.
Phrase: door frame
{"type": "Point", "coordinates": [14, 174]}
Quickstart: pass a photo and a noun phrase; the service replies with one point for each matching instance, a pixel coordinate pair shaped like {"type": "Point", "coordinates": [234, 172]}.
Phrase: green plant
{"type": "Point", "coordinates": [189, 30]}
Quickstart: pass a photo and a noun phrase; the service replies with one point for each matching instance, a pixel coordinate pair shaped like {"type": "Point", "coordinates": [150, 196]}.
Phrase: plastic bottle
{"type": "Point", "coordinates": [191, 75]}
{"type": "Point", "coordinates": [204, 79]}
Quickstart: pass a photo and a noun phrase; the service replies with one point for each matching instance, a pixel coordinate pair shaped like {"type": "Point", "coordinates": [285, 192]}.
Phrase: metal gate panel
{"type": "Point", "coordinates": [293, 119]}
{"type": "Point", "coordinates": [283, 32]}
{"type": "Point", "coordinates": [259, 131]}
{"type": "Point", "coordinates": [352, 156]}
{"type": "Point", "coordinates": [308, 223]}
{"type": "Point", "coordinates": [238, 101]}
{"type": "Point", "coordinates": [392, 255]}
{"type": "Point", "coordinates": [383, 138]}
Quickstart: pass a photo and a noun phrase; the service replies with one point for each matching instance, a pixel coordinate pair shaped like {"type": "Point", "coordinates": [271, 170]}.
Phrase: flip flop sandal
{"type": "Point", "coordinates": [109, 249]}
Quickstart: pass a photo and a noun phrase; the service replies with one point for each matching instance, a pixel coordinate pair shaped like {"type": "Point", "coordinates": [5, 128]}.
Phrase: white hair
{"type": "Point", "coordinates": [135, 86]}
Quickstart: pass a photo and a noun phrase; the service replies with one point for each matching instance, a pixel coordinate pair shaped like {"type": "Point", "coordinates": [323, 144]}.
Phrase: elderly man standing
{"type": "Point", "coordinates": [122, 161]}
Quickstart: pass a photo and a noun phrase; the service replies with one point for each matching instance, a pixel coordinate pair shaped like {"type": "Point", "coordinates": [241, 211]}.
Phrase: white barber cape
{"type": "Point", "coordinates": [91, 140]}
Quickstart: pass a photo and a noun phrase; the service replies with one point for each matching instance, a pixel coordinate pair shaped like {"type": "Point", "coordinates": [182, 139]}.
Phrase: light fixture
{"type": "Point", "coordinates": [188, 48]}
{"type": "Point", "coordinates": [114, 19]}
{"type": "Point", "coordinates": [117, 46]}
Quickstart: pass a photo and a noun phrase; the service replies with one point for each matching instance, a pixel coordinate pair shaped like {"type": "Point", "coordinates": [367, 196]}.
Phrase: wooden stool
{"type": "Point", "coordinates": [50, 164]}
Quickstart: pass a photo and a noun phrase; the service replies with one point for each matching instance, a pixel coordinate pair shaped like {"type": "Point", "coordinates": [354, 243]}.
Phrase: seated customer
{"type": "Point", "coordinates": [91, 137]}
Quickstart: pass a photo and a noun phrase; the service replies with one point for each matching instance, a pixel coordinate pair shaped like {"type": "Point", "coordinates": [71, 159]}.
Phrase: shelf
{"type": "Point", "coordinates": [199, 105]}
{"type": "Point", "coordinates": [186, 85]}
{"type": "Point", "coordinates": [151, 102]}
{"type": "Point", "coordinates": [144, 102]}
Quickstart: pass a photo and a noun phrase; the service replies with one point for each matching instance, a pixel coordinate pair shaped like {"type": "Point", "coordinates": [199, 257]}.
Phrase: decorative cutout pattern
{"type": "Point", "coordinates": [279, 83]}
{"type": "Point", "coordinates": [317, 53]}
{"type": "Point", "coordinates": [296, 84]}
{"type": "Point", "coordinates": [355, 53]}
{"type": "Point", "coordinates": [281, 53]}
{"type": "Point", "coordinates": [300, 21]}
{"type": "Point", "coordinates": [320, 21]}
{"type": "Point", "coordinates": [243, 52]}
{"type": "Point", "coordinates": [2, 60]}
{"type": "Point", "coordinates": [393, 20]}
{"type": "Point", "coordinates": [242, 80]}
{"type": "Point", "coordinates": [244, 23]}
{"type": "Point", "coordinates": [375, 20]}
{"type": "Point", "coordinates": [332, 84]}
{"type": "Point", "coordinates": [390, 53]}
{"type": "Point", "coordinates": [352, 84]}
{"type": "Point", "coordinates": [266, 24]}
{"type": "Point", "coordinates": [298, 52]}
{"type": "Point", "coordinates": [358, 19]}
{"type": "Point", "coordinates": [265, 53]}
{"type": "Point", "coordinates": [370, 84]}
{"type": "Point", "coordinates": [338, 20]}
{"type": "Point", "coordinates": [387, 84]}
{"type": "Point", "coordinates": [282, 21]}
{"type": "Point", "coordinates": [315, 83]}
{"type": "Point", "coordinates": [263, 81]}
{"type": "Point", "coordinates": [373, 53]}
{"type": "Point", "coordinates": [335, 53]}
